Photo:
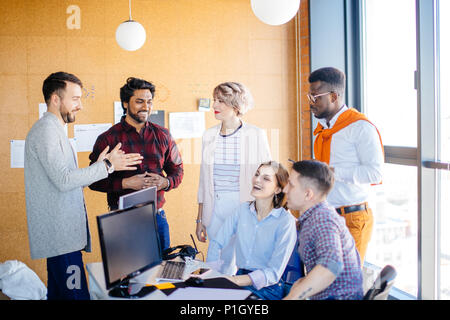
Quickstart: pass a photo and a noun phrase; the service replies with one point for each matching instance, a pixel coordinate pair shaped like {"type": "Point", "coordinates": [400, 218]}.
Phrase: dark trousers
{"type": "Point", "coordinates": [66, 277]}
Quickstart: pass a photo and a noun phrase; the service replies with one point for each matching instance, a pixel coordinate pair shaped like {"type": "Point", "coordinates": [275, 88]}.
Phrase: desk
{"type": "Point", "coordinates": [4, 296]}
{"type": "Point", "coordinates": [97, 285]}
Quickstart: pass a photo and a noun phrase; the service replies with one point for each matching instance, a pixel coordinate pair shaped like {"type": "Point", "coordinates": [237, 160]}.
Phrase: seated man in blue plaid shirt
{"type": "Point", "coordinates": [326, 246]}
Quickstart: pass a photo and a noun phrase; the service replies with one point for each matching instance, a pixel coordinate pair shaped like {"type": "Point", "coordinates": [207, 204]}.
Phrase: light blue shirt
{"type": "Point", "coordinates": [261, 246]}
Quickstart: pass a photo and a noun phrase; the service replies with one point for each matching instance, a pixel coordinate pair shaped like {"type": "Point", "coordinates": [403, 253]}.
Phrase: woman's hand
{"type": "Point", "coordinates": [200, 231]}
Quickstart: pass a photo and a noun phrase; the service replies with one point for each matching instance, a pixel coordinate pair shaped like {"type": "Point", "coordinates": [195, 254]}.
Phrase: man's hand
{"type": "Point", "coordinates": [136, 182]}
{"type": "Point", "coordinates": [317, 280]}
{"type": "Point", "coordinates": [120, 160]}
{"type": "Point", "coordinates": [145, 180]}
{"type": "Point", "coordinates": [159, 181]}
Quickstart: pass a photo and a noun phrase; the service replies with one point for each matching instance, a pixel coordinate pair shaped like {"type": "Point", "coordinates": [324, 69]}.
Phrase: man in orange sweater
{"type": "Point", "coordinates": [351, 145]}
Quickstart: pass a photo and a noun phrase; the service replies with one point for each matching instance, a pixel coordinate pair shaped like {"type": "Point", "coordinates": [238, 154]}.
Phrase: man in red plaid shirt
{"type": "Point", "coordinates": [162, 165]}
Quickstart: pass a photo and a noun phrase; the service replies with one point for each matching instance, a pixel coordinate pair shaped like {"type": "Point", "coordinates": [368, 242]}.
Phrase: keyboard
{"type": "Point", "coordinates": [172, 270]}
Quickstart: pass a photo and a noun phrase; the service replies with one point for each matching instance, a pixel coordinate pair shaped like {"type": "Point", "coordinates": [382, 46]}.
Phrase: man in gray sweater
{"type": "Point", "coordinates": [56, 213]}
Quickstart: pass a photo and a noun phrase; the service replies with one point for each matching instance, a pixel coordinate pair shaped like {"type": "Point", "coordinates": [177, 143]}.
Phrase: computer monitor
{"type": "Point", "coordinates": [138, 197]}
{"type": "Point", "coordinates": [129, 244]}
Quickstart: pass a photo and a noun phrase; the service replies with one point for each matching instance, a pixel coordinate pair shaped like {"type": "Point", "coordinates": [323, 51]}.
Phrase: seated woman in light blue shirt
{"type": "Point", "coordinates": [265, 234]}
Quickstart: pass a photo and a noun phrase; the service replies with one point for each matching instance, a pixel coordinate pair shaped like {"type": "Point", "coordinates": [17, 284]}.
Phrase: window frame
{"type": "Point", "coordinates": [348, 25]}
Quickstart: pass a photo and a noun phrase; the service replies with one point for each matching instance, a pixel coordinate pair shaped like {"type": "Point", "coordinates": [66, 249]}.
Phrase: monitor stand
{"type": "Point", "coordinates": [129, 290]}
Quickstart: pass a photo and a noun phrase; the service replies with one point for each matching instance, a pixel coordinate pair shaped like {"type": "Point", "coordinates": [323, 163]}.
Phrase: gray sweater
{"type": "Point", "coordinates": [56, 213]}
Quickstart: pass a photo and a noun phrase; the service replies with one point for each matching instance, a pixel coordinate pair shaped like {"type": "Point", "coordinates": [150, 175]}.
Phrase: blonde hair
{"type": "Point", "coordinates": [236, 95]}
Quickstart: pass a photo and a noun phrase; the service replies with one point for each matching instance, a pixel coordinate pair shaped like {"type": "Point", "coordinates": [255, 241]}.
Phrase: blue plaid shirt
{"type": "Point", "coordinates": [324, 239]}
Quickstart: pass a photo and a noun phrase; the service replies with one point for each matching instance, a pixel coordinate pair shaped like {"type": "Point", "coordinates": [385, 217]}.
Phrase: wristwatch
{"type": "Point", "coordinates": [168, 185]}
{"type": "Point", "coordinates": [109, 166]}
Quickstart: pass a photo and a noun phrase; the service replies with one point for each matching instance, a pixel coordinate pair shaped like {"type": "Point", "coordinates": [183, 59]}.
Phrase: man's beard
{"type": "Point", "coordinates": [136, 117]}
{"type": "Point", "coordinates": [323, 115]}
{"type": "Point", "coordinates": [68, 117]}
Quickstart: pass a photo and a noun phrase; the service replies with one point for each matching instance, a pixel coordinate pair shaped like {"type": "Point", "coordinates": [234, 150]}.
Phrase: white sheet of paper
{"type": "Point", "coordinates": [187, 124]}
{"type": "Point", "coordinates": [194, 293]}
{"type": "Point", "coordinates": [42, 109]}
{"type": "Point", "coordinates": [17, 153]}
{"type": "Point", "coordinates": [118, 111]}
{"type": "Point", "coordinates": [86, 135]}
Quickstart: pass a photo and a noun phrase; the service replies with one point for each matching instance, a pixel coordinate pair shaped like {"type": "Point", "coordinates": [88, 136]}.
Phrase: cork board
{"type": "Point", "coordinates": [191, 47]}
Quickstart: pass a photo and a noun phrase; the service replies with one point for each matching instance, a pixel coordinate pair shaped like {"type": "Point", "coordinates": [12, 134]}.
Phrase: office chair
{"type": "Point", "coordinates": [382, 285]}
{"type": "Point", "coordinates": [293, 271]}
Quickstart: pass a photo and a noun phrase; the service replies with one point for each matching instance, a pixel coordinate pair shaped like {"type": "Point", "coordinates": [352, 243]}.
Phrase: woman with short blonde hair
{"type": "Point", "coordinates": [231, 154]}
{"type": "Point", "coordinates": [236, 95]}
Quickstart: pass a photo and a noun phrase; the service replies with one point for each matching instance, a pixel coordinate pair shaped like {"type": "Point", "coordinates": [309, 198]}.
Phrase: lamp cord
{"type": "Point", "coordinates": [129, 6]}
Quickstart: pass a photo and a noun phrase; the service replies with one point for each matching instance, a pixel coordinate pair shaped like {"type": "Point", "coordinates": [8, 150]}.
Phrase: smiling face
{"type": "Point", "coordinates": [70, 102]}
{"type": "Point", "coordinates": [265, 184]}
{"type": "Point", "coordinates": [140, 106]}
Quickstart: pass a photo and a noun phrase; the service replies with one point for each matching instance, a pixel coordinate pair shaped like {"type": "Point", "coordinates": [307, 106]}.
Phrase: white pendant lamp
{"type": "Point", "coordinates": [275, 12]}
{"type": "Point", "coordinates": [130, 35]}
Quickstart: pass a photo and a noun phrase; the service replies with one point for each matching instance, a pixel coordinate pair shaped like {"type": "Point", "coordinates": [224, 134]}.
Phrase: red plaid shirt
{"type": "Point", "coordinates": [154, 143]}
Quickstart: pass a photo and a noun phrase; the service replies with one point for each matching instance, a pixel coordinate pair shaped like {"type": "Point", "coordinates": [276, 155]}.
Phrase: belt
{"type": "Point", "coordinates": [160, 210]}
{"type": "Point", "coordinates": [349, 209]}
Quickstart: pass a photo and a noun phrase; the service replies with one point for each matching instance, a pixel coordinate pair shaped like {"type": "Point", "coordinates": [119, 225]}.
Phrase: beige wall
{"type": "Point", "coordinates": [191, 47]}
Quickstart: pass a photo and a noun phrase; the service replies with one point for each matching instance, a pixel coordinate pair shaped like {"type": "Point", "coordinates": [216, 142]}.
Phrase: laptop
{"type": "Point", "coordinates": [141, 196]}
{"type": "Point", "coordinates": [171, 271]}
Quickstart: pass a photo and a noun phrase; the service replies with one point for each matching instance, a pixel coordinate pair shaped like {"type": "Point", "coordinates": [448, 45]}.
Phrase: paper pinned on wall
{"type": "Point", "coordinates": [187, 124]}
{"type": "Point", "coordinates": [204, 104]}
{"type": "Point", "coordinates": [42, 109]}
{"type": "Point", "coordinates": [86, 135]}
{"type": "Point", "coordinates": [157, 116]}
{"type": "Point", "coordinates": [17, 153]}
{"type": "Point", "coordinates": [118, 111]}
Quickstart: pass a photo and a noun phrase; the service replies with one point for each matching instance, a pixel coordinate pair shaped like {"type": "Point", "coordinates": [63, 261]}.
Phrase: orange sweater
{"type": "Point", "coordinates": [322, 143]}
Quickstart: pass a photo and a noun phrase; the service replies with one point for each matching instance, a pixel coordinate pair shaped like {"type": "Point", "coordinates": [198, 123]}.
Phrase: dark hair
{"type": "Point", "coordinates": [56, 82]}
{"type": "Point", "coordinates": [317, 172]}
{"type": "Point", "coordinates": [334, 77]}
{"type": "Point", "coordinates": [127, 91]}
{"type": "Point", "coordinates": [282, 176]}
